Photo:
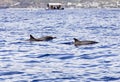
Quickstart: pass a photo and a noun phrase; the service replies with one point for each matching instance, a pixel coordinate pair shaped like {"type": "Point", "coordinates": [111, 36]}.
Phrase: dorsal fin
{"type": "Point", "coordinates": [75, 39]}
{"type": "Point", "coordinates": [31, 37]}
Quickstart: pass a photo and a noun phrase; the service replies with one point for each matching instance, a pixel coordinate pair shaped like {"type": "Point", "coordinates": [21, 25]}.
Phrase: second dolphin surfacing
{"type": "Point", "coordinates": [79, 43]}
{"type": "Point", "coordinates": [45, 38]}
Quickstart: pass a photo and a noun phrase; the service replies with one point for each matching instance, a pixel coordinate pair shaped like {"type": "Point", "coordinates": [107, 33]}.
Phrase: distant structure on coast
{"type": "Point", "coordinates": [55, 6]}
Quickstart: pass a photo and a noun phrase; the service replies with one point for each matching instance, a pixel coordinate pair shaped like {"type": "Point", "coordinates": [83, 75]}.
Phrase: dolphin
{"type": "Point", "coordinates": [45, 38]}
{"type": "Point", "coordinates": [79, 43]}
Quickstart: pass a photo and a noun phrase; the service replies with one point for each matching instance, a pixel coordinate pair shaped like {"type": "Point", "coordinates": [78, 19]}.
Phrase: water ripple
{"type": "Point", "coordinates": [10, 73]}
{"type": "Point", "coordinates": [107, 78]}
{"type": "Point", "coordinates": [91, 56]}
{"type": "Point", "coordinates": [59, 56]}
{"type": "Point", "coordinates": [54, 79]}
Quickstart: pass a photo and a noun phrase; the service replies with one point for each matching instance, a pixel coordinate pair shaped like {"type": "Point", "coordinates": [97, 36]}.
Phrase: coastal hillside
{"type": "Point", "coordinates": [67, 3]}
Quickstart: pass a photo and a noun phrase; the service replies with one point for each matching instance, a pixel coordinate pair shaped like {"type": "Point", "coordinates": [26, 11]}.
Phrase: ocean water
{"type": "Point", "coordinates": [59, 60]}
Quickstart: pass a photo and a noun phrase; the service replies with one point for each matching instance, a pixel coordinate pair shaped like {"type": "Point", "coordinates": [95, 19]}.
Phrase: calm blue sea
{"type": "Point", "coordinates": [58, 60]}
